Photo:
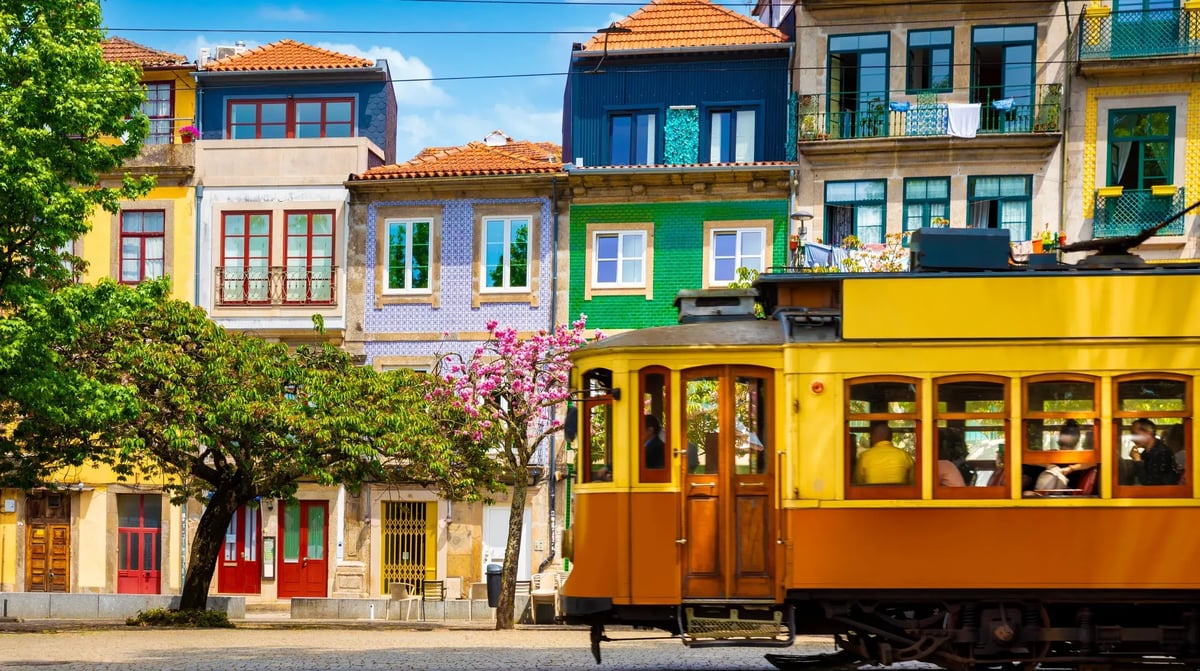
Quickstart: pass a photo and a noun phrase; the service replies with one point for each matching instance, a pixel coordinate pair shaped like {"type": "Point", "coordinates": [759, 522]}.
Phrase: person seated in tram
{"type": "Point", "coordinates": [1153, 461]}
{"type": "Point", "coordinates": [1068, 435]}
{"type": "Point", "coordinates": [883, 463]}
{"type": "Point", "coordinates": [949, 474]}
{"type": "Point", "coordinates": [1057, 478]}
{"type": "Point", "coordinates": [1174, 439]}
{"type": "Point", "coordinates": [653, 446]}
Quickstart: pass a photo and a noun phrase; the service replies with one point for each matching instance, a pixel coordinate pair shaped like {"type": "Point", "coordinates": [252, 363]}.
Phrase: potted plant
{"type": "Point", "coordinates": [940, 222]}
{"type": "Point", "coordinates": [189, 133]}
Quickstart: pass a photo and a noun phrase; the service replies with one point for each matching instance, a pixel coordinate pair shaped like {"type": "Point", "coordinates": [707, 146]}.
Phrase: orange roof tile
{"type": "Point", "coordinates": [474, 159]}
{"type": "Point", "coordinates": [667, 24]}
{"type": "Point", "coordinates": [287, 55]}
{"type": "Point", "coordinates": [126, 51]}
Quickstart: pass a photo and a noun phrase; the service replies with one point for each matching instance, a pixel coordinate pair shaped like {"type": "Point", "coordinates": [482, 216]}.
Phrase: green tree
{"type": "Point", "coordinates": [229, 417]}
{"type": "Point", "coordinates": [59, 100]}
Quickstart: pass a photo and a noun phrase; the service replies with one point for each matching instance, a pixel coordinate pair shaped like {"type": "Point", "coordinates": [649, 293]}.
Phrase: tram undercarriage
{"type": "Point", "coordinates": [1082, 632]}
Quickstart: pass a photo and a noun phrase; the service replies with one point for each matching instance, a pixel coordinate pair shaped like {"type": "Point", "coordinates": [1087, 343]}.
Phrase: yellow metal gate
{"type": "Point", "coordinates": [409, 543]}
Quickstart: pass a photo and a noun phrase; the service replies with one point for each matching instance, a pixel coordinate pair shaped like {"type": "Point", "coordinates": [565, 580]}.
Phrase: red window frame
{"type": "Point", "coordinates": [290, 122]}
{"type": "Point", "coordinates": [308, 280]}
{"type": "Point", "coordinates": [169, 135]}
{"type": "Point", "coordinates": [141, 237]}
{"type": "Point", "coordinates": [246, 237]}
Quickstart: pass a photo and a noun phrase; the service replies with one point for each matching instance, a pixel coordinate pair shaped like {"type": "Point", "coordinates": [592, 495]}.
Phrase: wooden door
{"type": "Point", "coordinates": [304, 564]}
{"type": "Point", "coordinates": [48, 542]}
{"type": "Point", "coordinates": [240, 568]}
{"type": "Point", "coordinates": [139, 543]}
{"type": "Point", "coordinates": [728, 485]}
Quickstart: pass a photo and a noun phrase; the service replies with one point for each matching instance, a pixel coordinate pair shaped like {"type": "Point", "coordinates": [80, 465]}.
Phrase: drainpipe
{"type": "Point", "coordinates": [553, 324]}
{"type": "Point", "coordinates": [196, 254]}
{"type": "Point", "coordinates": [1064, 108]}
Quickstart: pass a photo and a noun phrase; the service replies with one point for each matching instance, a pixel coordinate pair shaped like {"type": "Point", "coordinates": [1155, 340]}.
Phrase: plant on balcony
{"type": "Point", "coordinates": [940, 222]}
{"type": "Point", "coordinates": [875, 124]}
{"type": "Point", "coordinates": [1049, 110]}
{"type": "Point", "coordinates": [189, 133]}
{"type": "Point", "coordinates": [809, 116]}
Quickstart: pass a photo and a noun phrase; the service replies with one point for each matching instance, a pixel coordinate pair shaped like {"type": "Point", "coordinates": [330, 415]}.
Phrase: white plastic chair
{"type": "Point", "coordinates": [544, 591]}
{"type": "Point", "coordinates": [407, 594]}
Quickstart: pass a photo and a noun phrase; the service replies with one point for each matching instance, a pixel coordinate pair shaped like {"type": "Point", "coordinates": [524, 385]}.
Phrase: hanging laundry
{"type": "Point", "coordinates": [1004, 104]}
{"type": "Point", "coordinates": [899, 105]}
{"type": "Point", "coordinates": [964, 119]}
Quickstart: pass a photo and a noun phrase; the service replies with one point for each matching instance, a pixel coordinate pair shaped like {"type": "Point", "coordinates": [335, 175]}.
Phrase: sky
{"type": "Point", "coordinates": [431, 113]}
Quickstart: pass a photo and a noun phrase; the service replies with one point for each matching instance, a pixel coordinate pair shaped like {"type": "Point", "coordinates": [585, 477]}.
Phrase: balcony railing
{"type": "Point", "coordinates": [1139, 34]}
{"type": "Point", "coordinates": [276, 285]}
{"type": "Point", "coordinates": [1134, 210]}
{"type": "Point", "coordinates": [897, 114]}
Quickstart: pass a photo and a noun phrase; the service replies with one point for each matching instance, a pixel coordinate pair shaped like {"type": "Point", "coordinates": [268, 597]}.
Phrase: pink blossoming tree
{"type": "Point", "coordinates": [512, 389]}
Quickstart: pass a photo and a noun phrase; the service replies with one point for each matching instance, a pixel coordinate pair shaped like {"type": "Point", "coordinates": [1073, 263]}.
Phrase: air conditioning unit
{"type": "Point", "coordinates": [204, 57]}
{"type": "Point", "coordinates": [226, 52]}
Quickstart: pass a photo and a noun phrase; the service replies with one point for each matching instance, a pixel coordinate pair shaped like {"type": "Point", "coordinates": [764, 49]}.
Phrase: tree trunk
{"type": "Point", "coordinates": [512, 552]}
{"type": "Point", "coordinates": [206, 547]}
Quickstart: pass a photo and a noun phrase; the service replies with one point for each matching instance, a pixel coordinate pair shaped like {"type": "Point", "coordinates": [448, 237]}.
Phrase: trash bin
{"type": "Point", "coordinates": [493, 585]}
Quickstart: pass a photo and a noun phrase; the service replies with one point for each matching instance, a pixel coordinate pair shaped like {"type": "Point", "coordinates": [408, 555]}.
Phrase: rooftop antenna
{"type": "Point", "coordinates": [612, 28]}
{"type": "Point", "coordinates": [1117, 252]}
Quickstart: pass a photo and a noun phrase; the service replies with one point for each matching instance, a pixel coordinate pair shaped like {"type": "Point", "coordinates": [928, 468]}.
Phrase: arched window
{"type": "Point", "coordinates": [1152, 421]}
{"type": "Point", "coordinates": [972, 437]}
{"type": "Point", "coordinates": [1061, 413]}
{"type": "Point", "coordinates": [595, 444]}
{"type": "Point", "coordinates": [883, 438]}
{"type": "Point", "coordinates": [654, 451]}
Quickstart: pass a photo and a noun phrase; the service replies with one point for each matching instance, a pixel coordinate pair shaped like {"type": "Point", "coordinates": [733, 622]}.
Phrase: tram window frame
{"type": "Point", "coordinates": [663, 403]}
{"type": "Point", "coordinates": [890, 491]}
{"type": "Point", "coordinates": [1121, 419]}
{"type": "Point", "coordinates": [999, 490]}
{"type": "Point", "coordinates": [597, 393]}
{"type": "Point", "coordinates": [1029, 416]}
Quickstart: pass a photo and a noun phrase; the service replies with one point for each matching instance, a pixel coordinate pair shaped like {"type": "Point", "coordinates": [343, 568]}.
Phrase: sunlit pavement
{"type": "Point", "coordinates": [297, 646]}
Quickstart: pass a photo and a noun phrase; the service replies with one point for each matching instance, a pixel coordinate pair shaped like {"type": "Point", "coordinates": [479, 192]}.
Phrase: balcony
{"type": "Point", "coordinates": [1133, 210]}
{"type": "Point", "coordinates": [289, 162]}
{"type": "Point", "coordinates": [1170, 37]}
{"type": "Point", "coordinates": [275, 286]}
{"type": "Point", "coordinates": [897, 114]}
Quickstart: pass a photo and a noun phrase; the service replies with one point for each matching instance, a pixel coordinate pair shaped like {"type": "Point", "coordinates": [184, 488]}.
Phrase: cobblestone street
{"type": "Point", "coordinates": [370, 648]}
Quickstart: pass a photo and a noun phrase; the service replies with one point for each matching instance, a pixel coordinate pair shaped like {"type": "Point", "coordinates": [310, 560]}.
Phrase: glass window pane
{"type": "Point", "coordinates": [296, 246]}
{"type": "Point", "coordinates": [1152, 452]}
{"type": "Point", "coordinates": [620, 137]}
{"type": "Point", "coordinates": [716, 137]}
{"type": "Point", "coordinates": [260, 248]}
{"type": "Point", "coordinates": [273, 112]}
{"type": "Point", "coordinates": [273, 132]}
{"type": "Point", "coordinates": [260, 224]}
{"type": "Point", "coordinates": [724, 270]}
{"type": "Point", "coordinates": [135, 553]}
{"type": "Point", "coordinates": [244, 113]}
{"type": "Point", "coordinates": [307, 130]}
{"type": "Point", "coordinates": [606, 272]}
{"type": "Point", "coordinates": [291, 532]}
{"type": "Point", "coordinates": [234, 248]}
{"type": "Point", "coordinates": [744, 139]}
{"type": "Point", "coordinates": [152, 222]}
{"type": "Point", "coordinates": [154, 248]}
{"type": "Point", "coordinates": [338, 111]}
{"type": "Point", "coordinates": [338, 130]}
{"type": "Point", "coordinates": [150, 551]}
{"type": "Point", "coordinates": [1065, 396]}
{"type": "Point", "coordinates": [606, 246]}
{"type": "Point", "coordinates": [839, 192]}
{"type": "Point", "coordinates": [322, 247]}
{"type": "Point", "coordinates": [751, 454]}
{"type": "Point", "coordinates": [599, 425]}
{"type": "Point", "coordinates": [322, 224]}
{"type": "Point", "coordinates": [152, 510]}
{"type": "Point", "coordinates": [131, 271]}
{"type": "Point", "coordinates": [752, 243]}
{"type": "Point", "coordinates": [251, 537]}
{"type": "Point", "coordinates": [632, 245]}
{"type": "Point", "coordinates": [243, 133]}
{"type": "Point", "coordinates": [316, 533]}
{"type": "Point", "coordinates": [235, 224]}
{"type": "Point", "coordinates": [703, 425]}
{"type": "Point", "coordinates": [297, 224]}
{"type": "Point", "coordinates": [644, 139]}
{"type": "Point", "coordinates": [131, 222]}
{"type": "Point", "coordinates": [1059, 434]}
{"type": "Point", "coordinates": [131, 248]}
{"type": "Point", "coordinates": [129, 510]}
{"type": "Point", "coordinates": [725, 244]}
{"type": "Point", "coordinates": [308, 112]}
{"type": "Point", "coordinates": [1152, 396]}
{"type": "Point", "coordinates": [631, 271]}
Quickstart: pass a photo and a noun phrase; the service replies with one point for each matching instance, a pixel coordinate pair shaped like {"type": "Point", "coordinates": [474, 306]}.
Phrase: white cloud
{"type": "Point", "coordinates": [444, 128]}
{"type": "Point", "coordinates": [293, 13]}
{"type": "Point", "coordinates": [416, 93]}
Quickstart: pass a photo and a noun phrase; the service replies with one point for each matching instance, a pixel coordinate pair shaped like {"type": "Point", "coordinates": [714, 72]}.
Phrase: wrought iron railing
{"type": "Point", "coordinates": [1134, 210]}
{"type": "Point", "coordinates": [897, 114]}
{"type": "Point", "coordinates": [1138, 34]}
{"type": "Point", "coordinates": [276, 285]}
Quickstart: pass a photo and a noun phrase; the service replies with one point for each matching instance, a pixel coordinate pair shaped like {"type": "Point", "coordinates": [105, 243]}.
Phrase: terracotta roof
{"type": "Point", "coordinates": [661, 166]}
{"type": "Point", "coordinates": [287, 55]}
{"type": "Point", "coordinates": [126, 51]}
{"type": "Point", "coordinates": [474, 159]}
{"type": "Point", "coordinates": [667, 24]}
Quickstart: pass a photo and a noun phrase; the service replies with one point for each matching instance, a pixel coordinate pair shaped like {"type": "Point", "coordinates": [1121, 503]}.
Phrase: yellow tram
{"type": "Point", "coordinates": [1021, 518]}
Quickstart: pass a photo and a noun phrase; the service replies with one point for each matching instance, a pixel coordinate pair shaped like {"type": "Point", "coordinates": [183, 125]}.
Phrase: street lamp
{"type": "Point", "coordinates": [796, 242]}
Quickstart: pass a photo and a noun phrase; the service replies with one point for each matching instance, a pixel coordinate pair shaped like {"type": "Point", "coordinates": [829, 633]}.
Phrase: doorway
{"type": "Point", "coordinates": [495, 540]}
{"type": "Point", "coordinates": [48, 542]}
{"type": "Point", "coordinates": [409, 535]}
{"type": "Point", "coordinates": [304, 563]}
{"type": "Point", "coordinates": [1003, 67]}
{"type": "Point", "coordinates": [240, 568]}
{"type": "Point", "coordinates": [139, 543]}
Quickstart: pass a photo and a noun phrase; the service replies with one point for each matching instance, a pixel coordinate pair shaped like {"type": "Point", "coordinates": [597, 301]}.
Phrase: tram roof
{"type": "Point", "coordinates": [746, 333]}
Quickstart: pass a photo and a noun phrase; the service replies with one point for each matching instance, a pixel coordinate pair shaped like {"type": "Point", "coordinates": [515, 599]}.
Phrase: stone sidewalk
{"type": "Point", "coordinates": [265, 645]}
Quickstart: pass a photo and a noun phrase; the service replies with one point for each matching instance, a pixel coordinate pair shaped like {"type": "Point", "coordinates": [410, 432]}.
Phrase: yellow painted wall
{"type": "Point", "coordinates": [185, 94]}
{"type": "Point", "coordinates": [8, 542]}
{"type": "Point", "coordinates": [89, 545]}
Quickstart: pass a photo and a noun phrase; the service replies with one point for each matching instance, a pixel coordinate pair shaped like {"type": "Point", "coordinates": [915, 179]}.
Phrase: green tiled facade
{"type": "Point", "coordinates": [678, 249]}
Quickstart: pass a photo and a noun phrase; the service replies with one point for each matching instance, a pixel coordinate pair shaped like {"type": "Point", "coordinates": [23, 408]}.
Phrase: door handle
{"type": "Point", "coordinates": [751, 484]}
{"type": "Point", "coordinates": [703, 484]}
{"type": "Point", "coordinates": [681, 541]}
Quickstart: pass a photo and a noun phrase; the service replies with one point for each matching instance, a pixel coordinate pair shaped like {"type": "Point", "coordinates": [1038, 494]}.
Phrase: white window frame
{"type": "Point", "coordinates": [387, 260]}
{"type": "Point", "coordinates": [620, 259]}
{"type": "Point", "coordinates": [483, 275]}
{"type": "Point", "coordinates": [738, 255]}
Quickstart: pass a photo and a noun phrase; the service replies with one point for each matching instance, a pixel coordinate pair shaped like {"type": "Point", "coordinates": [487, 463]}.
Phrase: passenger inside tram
{"type": "Point", "coordinates": [1153, 462]}
{"type": "Point", "coordinates": [951, 449]}
{"type": "Point", "coordinates": [883, 463]}
{"type": "Point", "coordinates": [655, 448]}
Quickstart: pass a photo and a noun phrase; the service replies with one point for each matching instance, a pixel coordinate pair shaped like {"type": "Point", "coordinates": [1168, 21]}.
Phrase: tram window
{"type": "Point", "coordinates": [703, 425]}
{"type": "Point", "coordinates": [883, 448]}
{"type": "Point", "coordinates": [972, 438]}
{"type": "Point", "coordinates": [750, 428]}
{"type": "Point", "coordinates": [655, 455]}
{"type": "Point", "coordinates": [1152, 419]}
{"type": "Point", "coordinates": [596, 441]}
{"type": "Point", "coordinates": [1060, 457]}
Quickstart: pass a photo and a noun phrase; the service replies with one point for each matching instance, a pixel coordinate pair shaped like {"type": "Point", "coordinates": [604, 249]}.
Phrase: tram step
{"type": "Point", "coordinates": [741, 625]}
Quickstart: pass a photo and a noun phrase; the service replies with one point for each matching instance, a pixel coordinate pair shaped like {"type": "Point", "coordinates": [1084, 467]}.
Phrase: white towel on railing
{"type": "Point", "coordinates": [963, 119]}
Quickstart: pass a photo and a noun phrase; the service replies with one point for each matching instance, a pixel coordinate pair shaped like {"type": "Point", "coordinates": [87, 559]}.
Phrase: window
{"type": "Point", "coordinates": [1152, 421]}
{"type": "Point", "coordinates": [736, 248]}
{"type": "Point", "coordinates": [506, 253]}
{"type": "Point", "coordinates": [620, 259]}
{"type": "Point", "coordinates": [930, 60]}
{"type": "Point", "coordinates": [731, 136]}
{"type": "Point", "coordinates": [158, 106]}
{"type": "Point", "coordinates": [856, 208]}
{"type": "Point", "coordinates": [655, 462]}
{"type": "Point", "coordinates": [1003, 63]}
{"type": "Point", "coordinates": [632, 138]}
{"type": "Point", "coordinates": [926, 200]}
{"type": "Point", "coordinates": [142, 245]}
{"type": "Point", "coordinates": [702, 424]}
{"type": "Point", "coordinates": [408, 247]}
{"type": "Point", "coordinates": [858, 85]}
{"type": "Point", "coordinates": [309, 260]}
{"type": "Point", "coordinates": [883, 446]}
{"type": "Point", "coordinates": [1060, 414]}
{"type": "Point", "coordinates": [245, 257]}
{"type": "Point", "coordinates": [1001, 202]}
{"type": "Point", "coordinates": [1141, 147]}
{"type": "Point", "coordinates": [302, 118]}
{"type": "Point", "coordinates": [596, 436]}
{"type": "Point", "coordinates": [972, 437]}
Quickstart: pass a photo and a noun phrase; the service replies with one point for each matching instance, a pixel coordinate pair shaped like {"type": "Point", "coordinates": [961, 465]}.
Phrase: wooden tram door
{"type": "Point", "coordinates": [48, 542]}
{"type": "Point", "coordinates": [728, 484]}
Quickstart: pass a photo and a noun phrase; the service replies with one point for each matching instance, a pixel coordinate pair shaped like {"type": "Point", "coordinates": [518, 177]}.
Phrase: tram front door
{"type": "Point", "coordinates": [728, 484]}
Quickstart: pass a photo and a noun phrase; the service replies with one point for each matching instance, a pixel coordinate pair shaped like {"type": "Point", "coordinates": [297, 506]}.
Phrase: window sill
{"type": "Point", "coordinates": [405, 299]}
{"type": "Point", "coordinates": [620, 291]}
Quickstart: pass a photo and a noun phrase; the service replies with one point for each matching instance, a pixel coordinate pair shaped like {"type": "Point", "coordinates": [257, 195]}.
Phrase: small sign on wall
{"type": "Point", "coordinates": [10, 505]}
{"type": "Point", "coordinates": [268, 557]}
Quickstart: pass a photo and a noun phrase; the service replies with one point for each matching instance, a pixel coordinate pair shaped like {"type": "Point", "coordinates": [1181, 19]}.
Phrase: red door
{"type": "Point", "coordinates": [303, 567]}
{"type": "Point", "coordinates": [139, 543]}
{"type": "Point", "coordinates": [240, 567]}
